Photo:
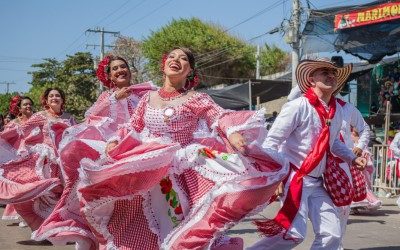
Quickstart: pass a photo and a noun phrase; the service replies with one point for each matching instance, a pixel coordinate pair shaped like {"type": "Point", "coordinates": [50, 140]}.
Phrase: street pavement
{"type": "Point", "coordinates": [378, 231]}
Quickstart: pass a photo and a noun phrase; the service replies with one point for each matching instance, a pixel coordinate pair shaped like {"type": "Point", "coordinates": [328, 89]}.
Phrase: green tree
{"type": "Point", "coordinates": [75, 76]}
{"type": "Point", "coordinates": [46, 73]}
{"type": "Point", "coordinates": [219, 55]}
{"type": "Point", "coordinates": [5, 102]}
{"type": "Point", "coordinates": [273, 60]}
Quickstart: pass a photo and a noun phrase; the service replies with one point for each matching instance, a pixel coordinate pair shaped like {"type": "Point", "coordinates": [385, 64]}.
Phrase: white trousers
{"type": "Point", "coordinates": [344, 213]}
{"type": "Point", "coordinates": [323, 214]}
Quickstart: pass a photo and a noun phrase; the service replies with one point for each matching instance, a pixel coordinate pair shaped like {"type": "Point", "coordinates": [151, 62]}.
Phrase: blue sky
{"type": "Point", "coordinates": [32, 30]}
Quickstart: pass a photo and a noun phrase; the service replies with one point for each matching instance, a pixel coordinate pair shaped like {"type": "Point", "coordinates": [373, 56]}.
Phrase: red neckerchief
{"type": "Point", "coordinates": [287, 213]}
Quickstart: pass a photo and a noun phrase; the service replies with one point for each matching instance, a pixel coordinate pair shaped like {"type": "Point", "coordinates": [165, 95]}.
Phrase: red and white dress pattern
{"type": "Point", "coordinates": [87, 140]}
{"type": "Point", "coordinates": [174, 182]}
{"type": "Point", "coordinates": [31, 180]}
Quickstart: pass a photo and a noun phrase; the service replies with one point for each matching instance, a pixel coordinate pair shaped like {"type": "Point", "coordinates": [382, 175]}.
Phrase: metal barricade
{"type": "Point", "coordinates": [387, 171]}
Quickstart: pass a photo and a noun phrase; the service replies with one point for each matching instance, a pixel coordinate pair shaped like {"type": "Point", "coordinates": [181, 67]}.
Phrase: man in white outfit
{"type": "Point", "coordinates": [307, 131]}
{"type": "Point", "coordinates": [395, 147]}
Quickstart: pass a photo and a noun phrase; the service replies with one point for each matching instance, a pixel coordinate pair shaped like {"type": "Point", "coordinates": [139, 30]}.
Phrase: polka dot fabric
{"type": "Point", "coordinates": [184, 121]}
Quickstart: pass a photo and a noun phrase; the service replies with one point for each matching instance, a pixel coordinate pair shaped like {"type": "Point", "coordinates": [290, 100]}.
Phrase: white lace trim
{"type": "Point", "coordinates": [143, 162]}
{"type": "Point", "coordinates": [114, 138]}
{"type": "Point", "coordinates": [72, 204]}
{"type": "Point", "coordinates": [200, 207]}
{"type": "Point", "coordinates": [148, 213]}
{"type": "Point", "coordinates": [113, 107]}
{"type": "Point", "coordinates": [28, 196]}
{"type": "Point", "coordinates": [11, 217]}
{"type": "Point", "coordinates": [44, 205]}
{"type": "Point", "coordinates": [257, 120]}
{"type": "Point", "coordinates": [45, 152]}
{"type": "Point", "coordinates": [64, 239]}
{"type": "Point", "coordinates": [69, 135]}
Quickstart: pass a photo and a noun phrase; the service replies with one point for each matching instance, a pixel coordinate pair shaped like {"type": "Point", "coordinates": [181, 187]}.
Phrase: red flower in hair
{"type": "Point", "coordinates": [101, 72]}
{"type": "Point", "coordinates": [13, 108]}
{"type": "Point", "coordinates": [163, 59]}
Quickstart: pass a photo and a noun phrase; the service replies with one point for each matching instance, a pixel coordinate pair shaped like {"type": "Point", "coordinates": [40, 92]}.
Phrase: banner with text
{"type": "Point", "coordinates": [380, 13]}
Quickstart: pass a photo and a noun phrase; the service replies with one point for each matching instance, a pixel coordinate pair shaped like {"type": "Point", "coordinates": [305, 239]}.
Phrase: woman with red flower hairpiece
{"type": "Point", "coordinates": [184, 174]}
{"type": "Point", "coordinates": [87, 140]}
{"type": "Point", "coordinates": [21, 107]}
{"type": "Point", "coordinates": [31, 180]}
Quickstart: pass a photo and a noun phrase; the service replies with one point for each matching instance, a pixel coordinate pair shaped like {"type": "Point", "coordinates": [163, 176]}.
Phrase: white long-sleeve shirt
{"type": "Point", "coordinates": [353, 117]}
{"type": "Point", "coordinates": [395, 147]}
{"type": "Point", "coordinates": [296, 131]}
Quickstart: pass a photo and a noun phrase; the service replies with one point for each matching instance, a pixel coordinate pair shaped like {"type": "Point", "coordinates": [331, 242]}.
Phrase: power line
{"type": "Point", "coordinates": [146, 15]}
{"type": "Point", "coordinates": [226, 48]}
{"type": "Point", "coordinates": [231, 59]}
{"type": "Point", "coordinates": [8, 85]}
{"type": "Point", "coordinates": [12, 61]}
{"type": "Point", "coordinates": [126, 12]}
{"type": "Point", "coordinates": [21, 58]}
{"type": "Point", "coordinates": [71, 44]}
{"type": "Point", "coordinates": [220, 77]}
{"type": "Point", "coordinates": [19, 70]}
{"type": "Point", "coordinates": [209, 56]}
{"type": "Point", "coordinates": [112, 12]}
{"type": "Point", "coordinates": [277, 3]}
{"type": "Point", "coordinates": [80, 35]}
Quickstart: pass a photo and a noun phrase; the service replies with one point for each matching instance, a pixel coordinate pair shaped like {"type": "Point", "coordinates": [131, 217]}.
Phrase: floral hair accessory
{"type": "Point", "coordinates": [192, 79]}
{"type": "Point", "coordinates": [101, 72]}
{"type": "Point", "coordinates": [163, 60]}
{"type": "Point", "coordinates": [13, 108]}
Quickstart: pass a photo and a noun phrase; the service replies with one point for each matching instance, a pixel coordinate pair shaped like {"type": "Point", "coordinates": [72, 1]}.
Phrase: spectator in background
{"type": "Point", "coordinates": [1, 122]}
{"type": "Point", "coordinates": [273, 117]}
{"type": "Point", "coordinates": [394, 74]}
{"type": "Point", "coordinates": [374, 108]}
{"type": "Point", "coordinates": [270, 120]}
{"type": "Point", "coordinates": [395, 101]}
{"type": "Point", "coordinates": [8, 117]}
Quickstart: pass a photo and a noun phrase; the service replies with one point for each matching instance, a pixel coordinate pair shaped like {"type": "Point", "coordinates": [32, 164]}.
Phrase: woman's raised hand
{"type": "Point", "coordinates": [122, 93]}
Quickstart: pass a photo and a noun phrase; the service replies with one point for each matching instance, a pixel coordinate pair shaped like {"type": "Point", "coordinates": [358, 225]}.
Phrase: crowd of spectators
{"type": "Point", "coordinates": [389, 92]}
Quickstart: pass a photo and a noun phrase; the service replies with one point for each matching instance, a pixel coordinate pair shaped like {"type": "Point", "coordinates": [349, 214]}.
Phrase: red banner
{"type": "Point", "coordinates": [380, 13]}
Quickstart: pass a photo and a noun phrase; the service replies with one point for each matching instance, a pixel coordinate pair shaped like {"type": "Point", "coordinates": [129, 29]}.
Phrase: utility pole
{"type": "Point", "coordinates": [250, 95]}
{"type": "Point", "coordinates": [8, 85]}
{"type": "Point", "coordinates": [295, 41]}
{"type": "Point", "coordinates": [258, 62]}
{"type": "Point", "coordinates": [102, 46]}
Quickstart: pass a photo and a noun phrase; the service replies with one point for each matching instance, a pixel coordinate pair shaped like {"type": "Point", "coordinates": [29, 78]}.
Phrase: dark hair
{"type": "Point", "coordinates": [24, 98]}
{"type": "Point", "coordinates": [10, 115]}
{"type": "Point", "coordinates": [115, 58]}
{"type": "Point", "coordinates": [43, 98]}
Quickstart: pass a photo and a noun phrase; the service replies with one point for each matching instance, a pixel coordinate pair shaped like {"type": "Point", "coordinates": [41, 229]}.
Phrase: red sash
{"type": "Point", "coordinates": [291, 205]}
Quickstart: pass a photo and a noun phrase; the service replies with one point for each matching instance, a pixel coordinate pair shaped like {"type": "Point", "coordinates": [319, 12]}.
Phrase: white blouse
{"type": "Point", "coordinates": [296, 131]}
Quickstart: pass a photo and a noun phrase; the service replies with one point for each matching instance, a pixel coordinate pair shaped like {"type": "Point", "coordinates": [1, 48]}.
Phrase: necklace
{"type": "Point", "coordinates": [168, 96]}
{"type": "Point", "coordinates": [54, 114]}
